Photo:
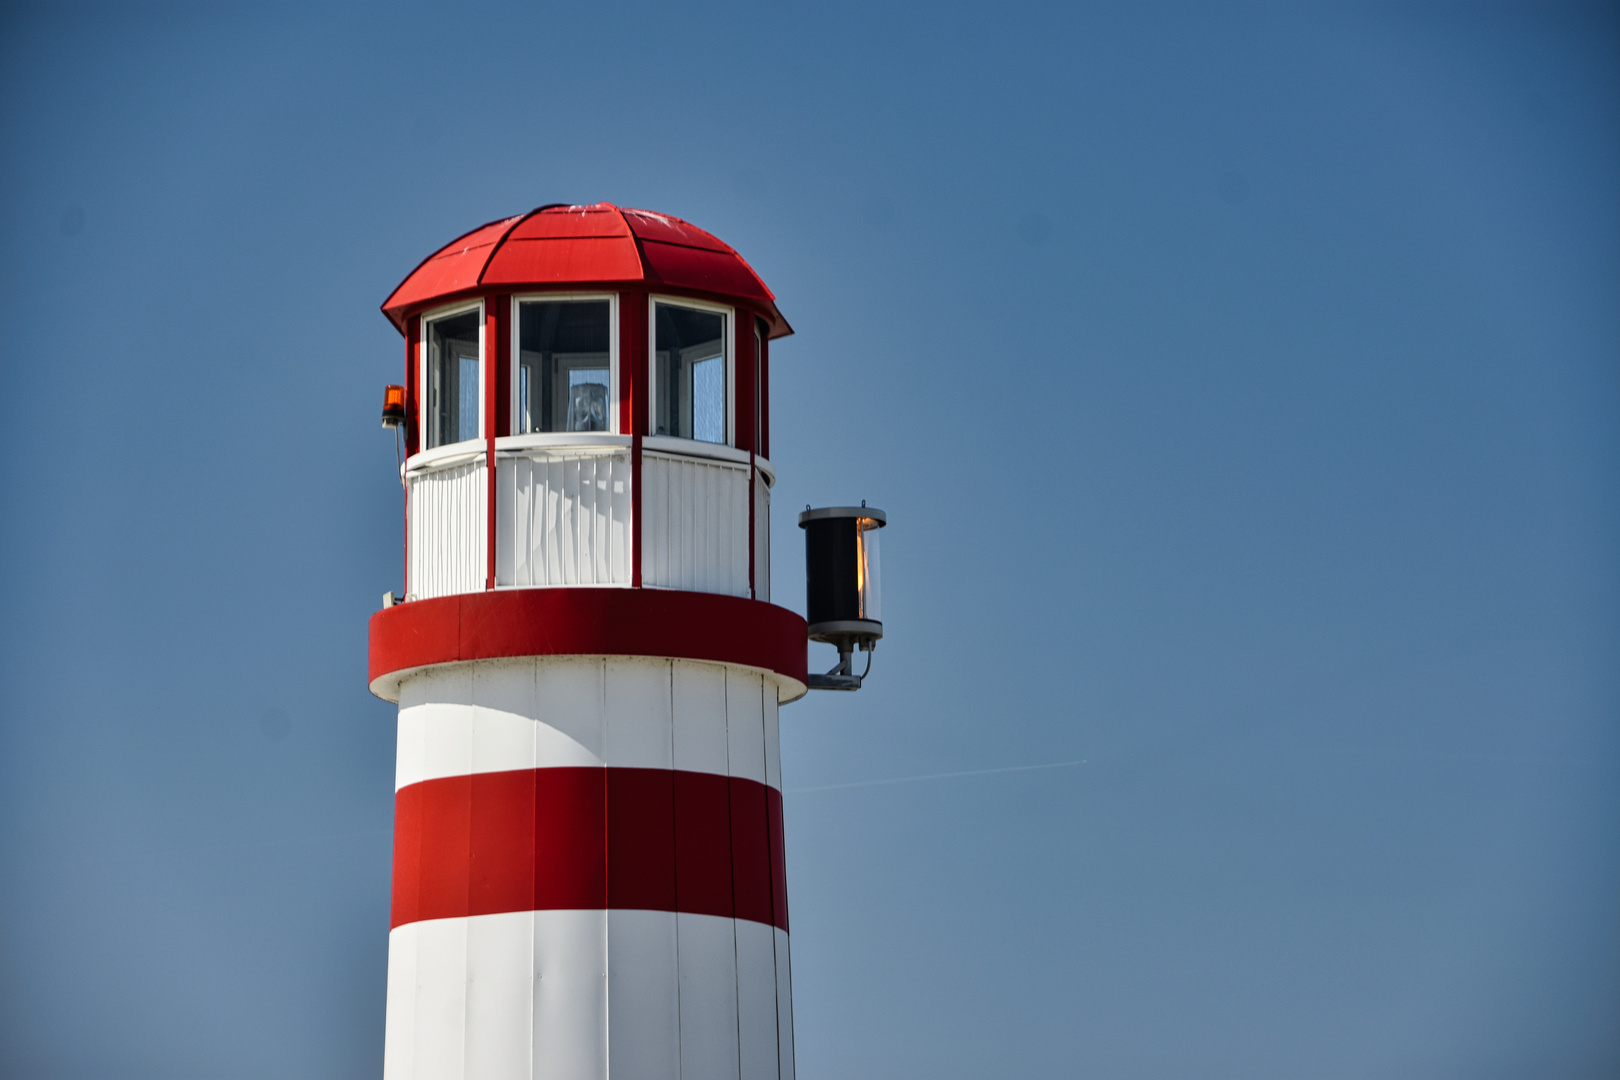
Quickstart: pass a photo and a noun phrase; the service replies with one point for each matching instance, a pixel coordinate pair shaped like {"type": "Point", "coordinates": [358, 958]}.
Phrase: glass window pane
{"type": "Point", "coordinates": [709, 399]}
{"type": "Point", "coordinates": [452, 379]}
{"type": "Point", "coordinates": [467, 423]}
{"type": "Point", "coordinates": [690, 365]}
{"type": "Point", "coordinates": [563, 366]}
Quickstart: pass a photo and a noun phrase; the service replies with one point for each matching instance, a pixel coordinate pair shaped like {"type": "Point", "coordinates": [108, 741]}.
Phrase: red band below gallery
{"type": "Point", "coordinates": [588, 622]}
{"type": "Point", "coordinates": [589, 838]}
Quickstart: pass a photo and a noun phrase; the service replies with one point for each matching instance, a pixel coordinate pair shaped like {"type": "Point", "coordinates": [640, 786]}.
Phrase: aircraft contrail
{"type": "Point", "coordinates": [935, 776]}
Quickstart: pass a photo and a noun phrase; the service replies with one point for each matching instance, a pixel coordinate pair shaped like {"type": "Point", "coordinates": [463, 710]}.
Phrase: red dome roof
{"type": "Point", "coordinates": [601, 244]}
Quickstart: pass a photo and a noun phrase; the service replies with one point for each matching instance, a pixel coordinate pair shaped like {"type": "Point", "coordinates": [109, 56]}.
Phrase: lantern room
{"type": "Point", "coordinates": [586, 404]}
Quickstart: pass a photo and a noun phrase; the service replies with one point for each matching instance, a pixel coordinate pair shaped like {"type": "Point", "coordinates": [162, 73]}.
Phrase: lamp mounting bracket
{"type": "Point", "coordinates": [842, 676]}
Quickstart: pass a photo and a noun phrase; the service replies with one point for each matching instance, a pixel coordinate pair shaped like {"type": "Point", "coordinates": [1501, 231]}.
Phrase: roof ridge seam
{"type": "Point", "coordinates": [729, 250]}
{"type": "Point", "coordinates": [725, 249]}
{"type": "Point", "coordinates": [384, 306]}
{"type": "Point", "coordinates": [641, 254]}
{"type": "Point", "coordinates": [516, 221]}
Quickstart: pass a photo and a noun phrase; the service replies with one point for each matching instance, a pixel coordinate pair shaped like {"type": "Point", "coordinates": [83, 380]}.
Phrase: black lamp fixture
{"type": "Point", "coordinates": [843, 594]}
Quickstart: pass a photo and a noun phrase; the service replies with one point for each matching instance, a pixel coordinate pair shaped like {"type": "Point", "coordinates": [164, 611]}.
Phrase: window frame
{"type": "Point", "coordinates": [515, 374]}
{"type": "Point", "coordinates": [728, 347]}
{"type": "Point", "coordinates": [424, 418]}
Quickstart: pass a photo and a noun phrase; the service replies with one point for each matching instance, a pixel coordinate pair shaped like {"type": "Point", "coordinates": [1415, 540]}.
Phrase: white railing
{"type": "Point", "coordinates": [563, 516]}
{"type": "Point", "coordinates": [762, 535]}
{"type": "Point", "coordinates": [446, 542]}
{"type": "Point", "coordinates": [694, 530]}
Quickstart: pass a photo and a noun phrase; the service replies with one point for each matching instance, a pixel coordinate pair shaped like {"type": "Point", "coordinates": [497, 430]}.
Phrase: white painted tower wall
{"type": "Point", "coordinates": [582, 994]}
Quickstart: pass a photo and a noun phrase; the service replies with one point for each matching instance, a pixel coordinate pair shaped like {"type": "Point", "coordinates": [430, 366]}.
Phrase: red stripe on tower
{"type": "Point", "coordinates": [543, 839]}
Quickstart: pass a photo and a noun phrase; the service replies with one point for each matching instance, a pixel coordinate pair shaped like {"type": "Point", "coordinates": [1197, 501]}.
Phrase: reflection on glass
{"type": "Point", "coordinates": [467, 399]}
{"type": "Point", "coordinates": [868, 569]}
{"type": "Point", "coordinates": [709, 399]}
{"type": "Point", "coordinates": [563, 365]}
{"type": "Point", "coordinates": [452, 379]}
{"type": "Point", "coordinates": [690, 361]}
{"type": "Point", "coordinates": [587, 399]}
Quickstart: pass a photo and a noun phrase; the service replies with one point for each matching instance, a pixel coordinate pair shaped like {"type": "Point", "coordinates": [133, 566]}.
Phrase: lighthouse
{"type": "Point", "coordinates": [589, 876]}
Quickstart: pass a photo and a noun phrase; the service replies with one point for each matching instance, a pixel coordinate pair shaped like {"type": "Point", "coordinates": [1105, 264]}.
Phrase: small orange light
{"type": "Point", "coordinates": [393, 406]}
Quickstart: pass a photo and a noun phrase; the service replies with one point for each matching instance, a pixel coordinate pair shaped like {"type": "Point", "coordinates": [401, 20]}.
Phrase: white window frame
{"type": "Point", "coordinates": [726, 345]}
{"type": "Point", "coordinates": [514, 378]}
{"type": "Point", "coordinates": [422, 364]}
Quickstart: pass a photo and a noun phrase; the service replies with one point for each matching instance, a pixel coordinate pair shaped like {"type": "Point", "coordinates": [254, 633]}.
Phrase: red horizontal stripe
{"type": "Point", "coordinates": [540, 839]}
{"type": "Point", "coordinates": [588, 622]}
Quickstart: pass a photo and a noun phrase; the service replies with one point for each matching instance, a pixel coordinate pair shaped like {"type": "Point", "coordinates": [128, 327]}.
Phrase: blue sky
{"type": "Point", "coordinates": [1241, 385]}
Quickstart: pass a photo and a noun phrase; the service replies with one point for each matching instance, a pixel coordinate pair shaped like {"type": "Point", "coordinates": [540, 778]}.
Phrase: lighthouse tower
{"type": "Point", "coordinates": [588, 858]}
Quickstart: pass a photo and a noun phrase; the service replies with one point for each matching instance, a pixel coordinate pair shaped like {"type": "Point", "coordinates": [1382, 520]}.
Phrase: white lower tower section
{"type": "Point", "coordinates": [583, 994]}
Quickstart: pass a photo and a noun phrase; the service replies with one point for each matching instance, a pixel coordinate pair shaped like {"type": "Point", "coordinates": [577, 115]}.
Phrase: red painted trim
{"type": "Point", "coordinates": [752, 539]}
{"type": "Point", "coordinates": [588, 622]}
{"type": "Point", "coordinates": [574, 285]}
{"type": "Point", "coordinates": [501, 305]}
{"type": "Point", "coordinates": [742, 402]}
{"type": "Point", "coordinates": [413, 388]}
{"type": "Point", "coordinates": [492, 337]}
{"type": "Point", "coordinates": [742, 426]}
{"type": "Point", "coordinates": [765, 400]}
{"type": "Point", "coordinates": [635, 511]}
{"type": "Point", "coordinates": [632, 328]}
{"type": "Point", "coordinates": [588, 838]}
{"type": "Point", "coordinates": [412, 426]}
{"type": "Point", "coordinates": [634, 357]}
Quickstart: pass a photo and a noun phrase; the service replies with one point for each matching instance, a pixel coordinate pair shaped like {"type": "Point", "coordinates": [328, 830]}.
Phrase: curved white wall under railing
{"type": "Point", "coordinates": [562, 512]}
{"type": "Point", "coordinates": [447, 496]}
{"type": "Point", "coordinates": [563, 516]}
